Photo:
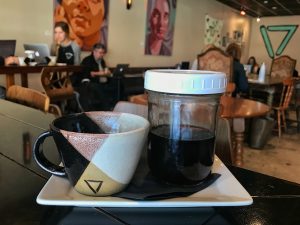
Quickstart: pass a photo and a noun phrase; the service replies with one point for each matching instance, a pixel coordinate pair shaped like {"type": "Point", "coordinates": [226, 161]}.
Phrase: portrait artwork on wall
{"type": "Point", "coordinates": [213, 29]}
{"type": "Point", "coordinates": [160, 27]}
{"type": "Point", "coordinates": [87, 20]}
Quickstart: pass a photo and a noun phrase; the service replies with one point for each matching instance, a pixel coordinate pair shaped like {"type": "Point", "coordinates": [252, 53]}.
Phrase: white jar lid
{"type": "Point", "coordinates": [185, 81]}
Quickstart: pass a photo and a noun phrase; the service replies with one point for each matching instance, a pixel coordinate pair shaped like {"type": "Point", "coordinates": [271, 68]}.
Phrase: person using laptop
{"type": "Point", "coordinates": [94, 65]}
{"type": "Point", "coordinates": [9, 61]}
{"type": "Point", "coordinates": [66, 50]}
{"type": "Point", "coordinates": [254, 65]}
{"type": "Point", "coordinates": [95, 93]}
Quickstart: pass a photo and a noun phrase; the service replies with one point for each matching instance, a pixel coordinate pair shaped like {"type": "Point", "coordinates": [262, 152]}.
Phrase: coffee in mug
{"type": "Point", "coordinates": [99, 150]}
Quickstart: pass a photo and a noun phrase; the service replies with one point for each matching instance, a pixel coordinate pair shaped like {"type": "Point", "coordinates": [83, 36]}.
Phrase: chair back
{"type": "Point", "coordinates": [56, 83]}
{"type": "Point", "coordinates": [287, 92]}
{"type": "Point", "coordinates": [214, 59]}
{"type": "Point", "coordinates": [283, 66]}
{"type": "Point", "coordinates": [28, 97]}
{"type": "Point", "coordinates": [130, 107]}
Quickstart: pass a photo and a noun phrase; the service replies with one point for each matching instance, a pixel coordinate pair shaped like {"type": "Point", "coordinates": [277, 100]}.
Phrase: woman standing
{"type": "Point", "coordinates": [66, 50]}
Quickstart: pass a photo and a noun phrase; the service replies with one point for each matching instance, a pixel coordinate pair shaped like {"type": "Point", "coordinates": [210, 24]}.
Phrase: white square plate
{"type": "Point", "coordinates": [225, 191]}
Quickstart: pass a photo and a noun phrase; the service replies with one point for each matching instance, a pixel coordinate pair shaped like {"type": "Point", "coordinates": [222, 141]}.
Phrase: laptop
{"type": "Point", "coordinates": [247, 68]}
{"type": "Point", "coordinates": [7, 47]}
{"type": "Point", "coordinates": [120, 70]}
{"type": "Point", "coordinates": [42, 52]}
{"type": "Point", "coordinates": [185, 65]}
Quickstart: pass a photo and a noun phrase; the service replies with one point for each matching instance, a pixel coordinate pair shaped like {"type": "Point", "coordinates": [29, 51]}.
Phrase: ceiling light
{"type": "Point", "coordinates": [265, 2]}
{"type": "Point", "coordinates": [274, 7]}
{"type": "Point", "coordinates": [243, 13]}
{"type": "Point", "coordinates": [258, 19]}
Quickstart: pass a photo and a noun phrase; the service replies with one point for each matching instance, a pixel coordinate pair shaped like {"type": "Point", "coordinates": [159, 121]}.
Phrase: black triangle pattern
{"type": "Point", "coordinates": [89, 184]}
{"type": "Point", "coordinates": [74, 162]}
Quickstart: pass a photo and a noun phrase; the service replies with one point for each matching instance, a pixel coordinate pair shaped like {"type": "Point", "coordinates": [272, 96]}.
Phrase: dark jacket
{"type": "Point", "coordinates": [239, 78]}
{"type": "Point", "coordinates": [1, 61]}
{"type": "Point", "coordinates": [90, 65]}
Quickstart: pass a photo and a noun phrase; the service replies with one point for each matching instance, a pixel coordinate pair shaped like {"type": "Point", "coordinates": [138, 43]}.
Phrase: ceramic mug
{"type": "Point", "coordinates": [52, 60]}
{"type": "Point", "coordinates": [99, 150]}
{"type": "Point", "coordinates": [21, 61]}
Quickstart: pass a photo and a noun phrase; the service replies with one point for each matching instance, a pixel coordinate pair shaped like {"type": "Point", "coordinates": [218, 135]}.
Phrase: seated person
{"type": "Point", "coordinates": [254, 65]}
{"type": "Point", "coordinates": [66, 50]}
{"type": "Point", "coordinates": [95, 65]}
{"type": "Point", "coordinates": [6, 61]}
{"type": "Point", "coordinates": [239, 75]}
{"type": "Point", "coordinates": [295, 73]}
{"type": "Point", "coordinates": [10, 60]}
{"type": "Point", "coordinates": [93, 90]}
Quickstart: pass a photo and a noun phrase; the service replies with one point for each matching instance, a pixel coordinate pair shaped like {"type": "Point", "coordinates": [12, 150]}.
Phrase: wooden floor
{"type": "Point", "coordinates": [279, 158]}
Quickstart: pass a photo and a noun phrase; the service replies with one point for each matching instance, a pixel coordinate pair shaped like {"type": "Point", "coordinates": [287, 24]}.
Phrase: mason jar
{"type": "Point", "coordinates": [183, 111]}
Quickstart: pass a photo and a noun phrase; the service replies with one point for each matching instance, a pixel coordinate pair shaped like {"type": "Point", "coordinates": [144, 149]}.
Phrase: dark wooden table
{"type": "Point", "coordinates": [10, 71]}
{"type": "Point", "coordinates": [276, 201]}
{"type": "Point", "coordinates": [238, 109]}
{"type": "Point", "coordinates": [269, 86]}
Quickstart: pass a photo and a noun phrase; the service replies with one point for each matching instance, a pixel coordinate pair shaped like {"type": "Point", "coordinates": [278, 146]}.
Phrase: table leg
{"type": "Point", "coordinates": [271, 92]}
{"type": "Point", "coordinates": [10, 80]}
{"type": "Point", "coordinates": [24, 79]}
{"type": "Point", "coordinates": [238, 129]}
{"type": "Point", "coordinates": [239, 139]}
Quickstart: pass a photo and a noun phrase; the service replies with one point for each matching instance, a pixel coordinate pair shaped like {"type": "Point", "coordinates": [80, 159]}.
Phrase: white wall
{"type": "Point", "coordinates": [127, 31]}
{"type": "Point", "coordinates": [32, 22]}
{"type": "Point", "coordinates": [257, 46]}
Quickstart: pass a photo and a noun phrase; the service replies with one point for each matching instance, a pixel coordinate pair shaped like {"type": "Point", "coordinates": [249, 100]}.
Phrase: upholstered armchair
{"type": "Point", "coordinates": [283, 66]}
{"type": "Point", "coordinates": [214, 59]}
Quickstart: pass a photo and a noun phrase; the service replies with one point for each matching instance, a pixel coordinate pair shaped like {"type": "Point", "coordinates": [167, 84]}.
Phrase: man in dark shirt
{"type": "Point", "coordinates": [94, 65]}
{"type": "Point", "coordinates": [93, 86]}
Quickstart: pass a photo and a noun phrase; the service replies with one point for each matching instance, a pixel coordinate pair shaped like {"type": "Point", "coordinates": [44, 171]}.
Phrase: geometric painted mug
{"type": "Point", "coordinates": [99, 150]}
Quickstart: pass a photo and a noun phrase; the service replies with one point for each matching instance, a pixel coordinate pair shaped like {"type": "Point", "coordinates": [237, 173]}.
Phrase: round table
{"type": "Point", "coordinates": [237, 109]}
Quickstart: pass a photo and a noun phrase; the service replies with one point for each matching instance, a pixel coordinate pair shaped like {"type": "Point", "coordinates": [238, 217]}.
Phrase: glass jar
{"type": "Point", "coordinates": [182, 110]}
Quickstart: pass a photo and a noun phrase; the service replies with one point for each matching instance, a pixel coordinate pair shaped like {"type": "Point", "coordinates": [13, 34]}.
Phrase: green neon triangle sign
{"type": "Point", "coordinates": [290, 29]}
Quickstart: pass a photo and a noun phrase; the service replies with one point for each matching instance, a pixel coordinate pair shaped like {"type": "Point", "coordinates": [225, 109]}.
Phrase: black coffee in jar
{"type": "Point", "coordinates": [184, 156]}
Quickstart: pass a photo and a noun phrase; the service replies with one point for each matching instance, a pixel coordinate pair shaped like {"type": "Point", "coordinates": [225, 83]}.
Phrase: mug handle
{"type": "Point", "coordinates": [40, 158]}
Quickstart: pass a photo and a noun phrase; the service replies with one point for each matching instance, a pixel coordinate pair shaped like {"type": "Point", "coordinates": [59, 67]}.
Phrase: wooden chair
{"type": "Point", "coordinates": [28, 97]}
{"type": "Point", "coordinates": [283, 66]}
{"type": "Point", "coordinates": [129, 107]}
{"type": "Point", "coordinates": [58, 87]}
{"type": "Point", "coordinates": [141, 99]}
{"type": "Point", "coordinates": [214, 59]}
{"type": "Point", "coordinates": [54, 109]}
{"type": "Point", "coordinates": [32, 98]}
{"type": "Point", "coordinates": [224, 149]}
{"type": "Point", "coordinates": [286, 95]}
